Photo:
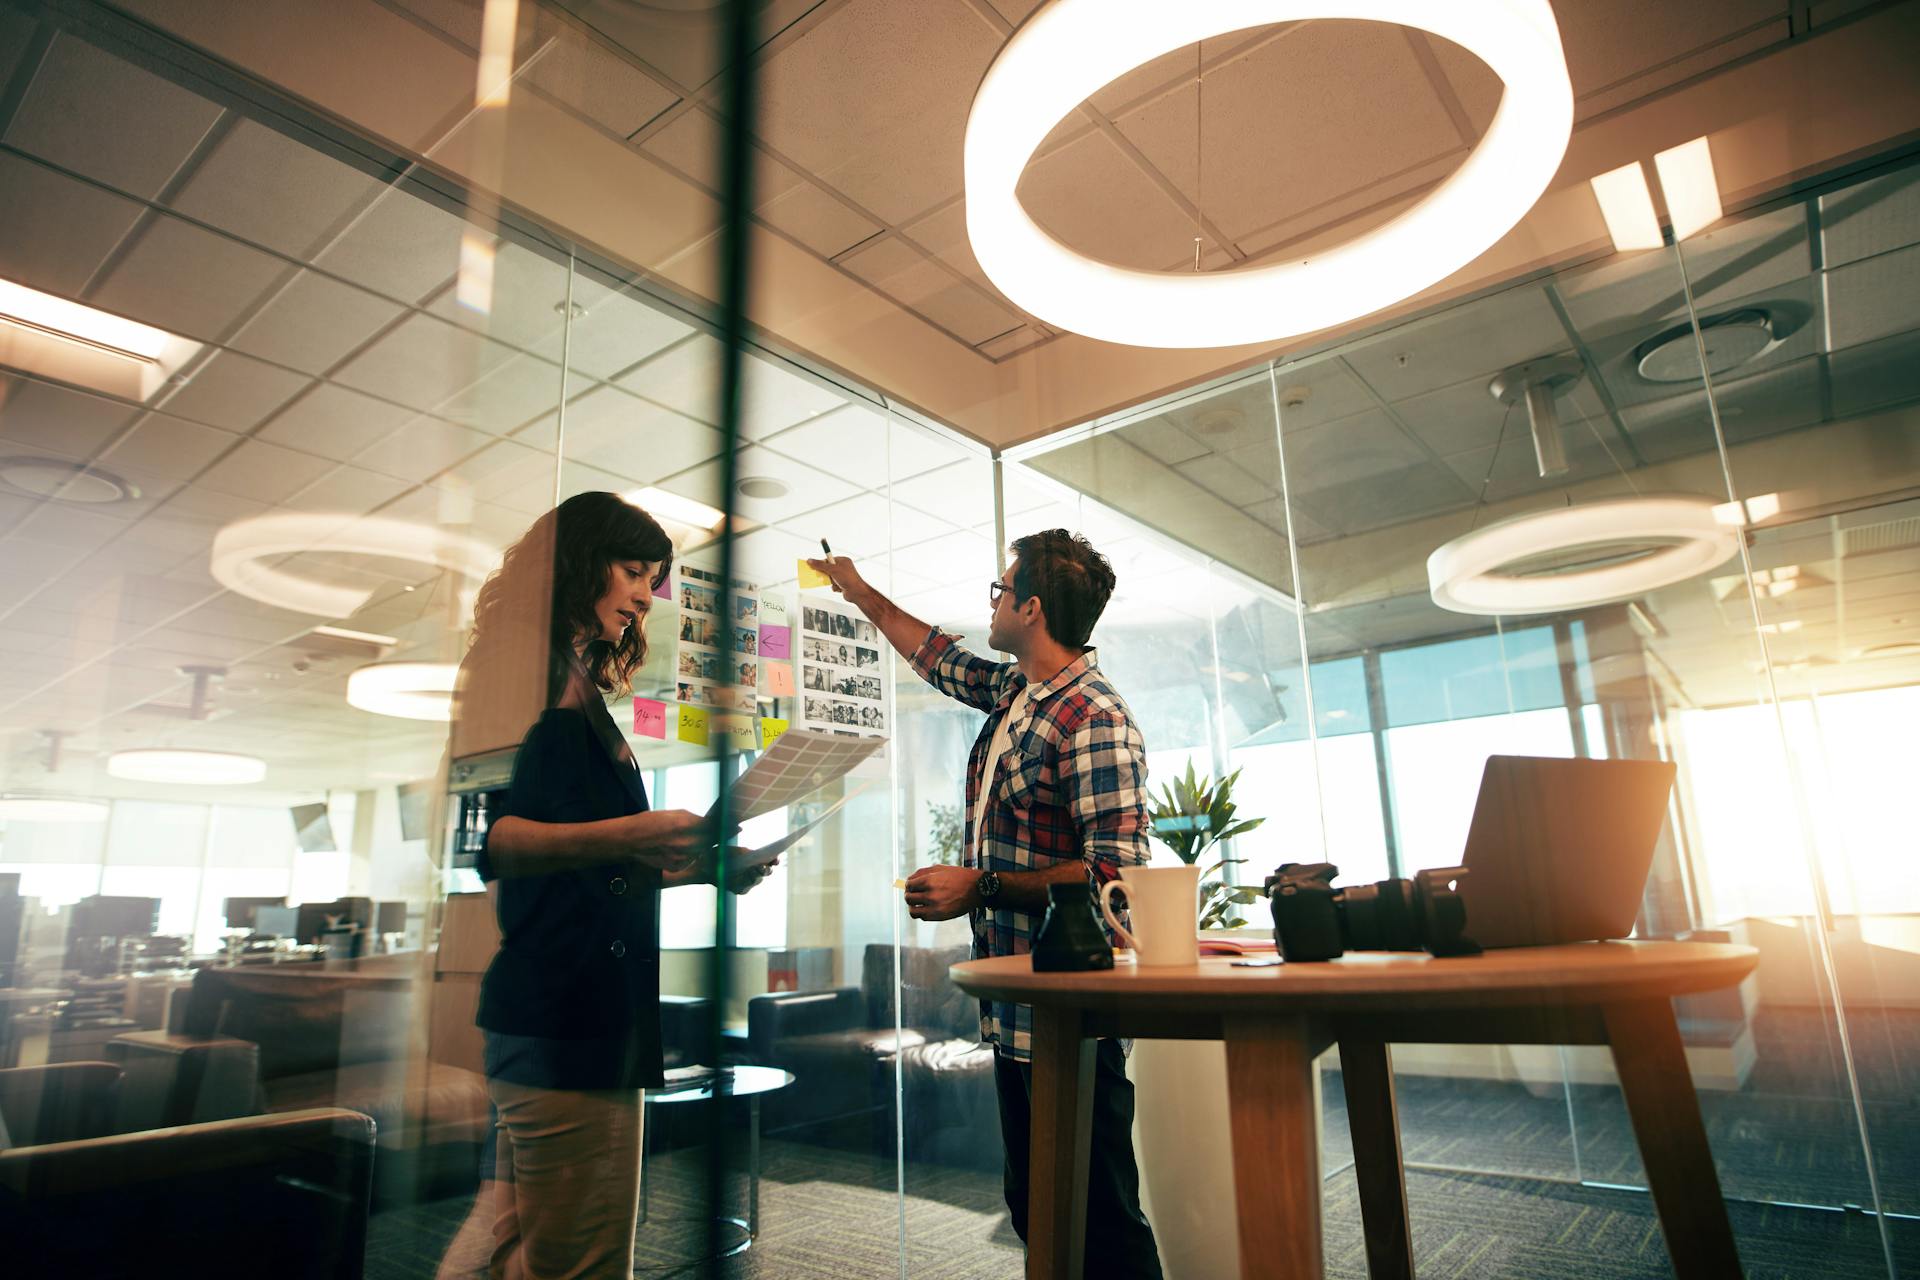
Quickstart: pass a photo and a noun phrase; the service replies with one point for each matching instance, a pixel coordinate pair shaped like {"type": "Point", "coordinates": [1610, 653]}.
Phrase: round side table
{"type": "Point", "coordinates": [728, 1082]}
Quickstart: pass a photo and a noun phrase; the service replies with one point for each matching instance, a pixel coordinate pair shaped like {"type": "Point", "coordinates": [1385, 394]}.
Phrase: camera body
{"type": "Point", "coordinates": [1312, 920]}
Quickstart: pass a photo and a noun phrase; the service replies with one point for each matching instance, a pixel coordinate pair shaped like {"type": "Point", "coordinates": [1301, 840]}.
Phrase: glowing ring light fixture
{"type": "Point", "coordinates": [241, 549]}
{"type": "Point", "coordinates": [1464, 575]}
{"type": "Point", "coordinates": [195, 768]}
{"type": "Point", "coordinates": [409, 690]}
{"type": "Point", "coordinates": [1068, 50]}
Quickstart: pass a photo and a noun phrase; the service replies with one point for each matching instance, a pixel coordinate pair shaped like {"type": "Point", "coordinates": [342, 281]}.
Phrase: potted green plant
{"type": "Point", "coordinates": [946, 833]}
{"type": "Point", "coordinates": [1190, 815]}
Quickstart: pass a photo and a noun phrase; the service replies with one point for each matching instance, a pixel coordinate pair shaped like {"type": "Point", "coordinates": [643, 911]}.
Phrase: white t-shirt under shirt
{"type": "Point", "coordinates": [995, 749]}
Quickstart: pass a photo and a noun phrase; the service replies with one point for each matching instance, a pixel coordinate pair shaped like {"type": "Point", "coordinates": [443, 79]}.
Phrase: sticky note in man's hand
{"type": "Point", "coordinates": [811, 577]}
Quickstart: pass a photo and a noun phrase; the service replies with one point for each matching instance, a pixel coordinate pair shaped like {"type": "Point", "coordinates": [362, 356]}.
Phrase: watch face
{"type": "Point", "coordinates": [989, 884]}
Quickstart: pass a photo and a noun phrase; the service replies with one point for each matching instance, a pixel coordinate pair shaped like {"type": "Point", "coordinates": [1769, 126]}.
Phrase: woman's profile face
{"type": "Point", "coordinates": [628, 596]}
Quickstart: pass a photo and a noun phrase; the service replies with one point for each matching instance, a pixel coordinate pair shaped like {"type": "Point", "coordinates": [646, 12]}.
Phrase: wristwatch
{"type": "Point", "coordinates": [988, 887]}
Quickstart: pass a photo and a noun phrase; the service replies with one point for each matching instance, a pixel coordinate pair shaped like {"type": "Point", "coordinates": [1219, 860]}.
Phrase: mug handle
{"type": "Point", "coordinates": [1106, 909]}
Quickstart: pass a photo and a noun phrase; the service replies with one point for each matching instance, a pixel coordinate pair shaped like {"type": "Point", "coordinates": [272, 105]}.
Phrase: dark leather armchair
{"type": "Point", "coordinates": [844, 1051]}
{"type": "Point", "coordinates": [63, 1102]}
{"type": "Point", "coordinates": [285, 1194]}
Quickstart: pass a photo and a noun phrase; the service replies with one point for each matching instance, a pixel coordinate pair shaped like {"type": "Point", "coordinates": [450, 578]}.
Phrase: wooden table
{"type": "Point", "coordinates": [1276, 1021]}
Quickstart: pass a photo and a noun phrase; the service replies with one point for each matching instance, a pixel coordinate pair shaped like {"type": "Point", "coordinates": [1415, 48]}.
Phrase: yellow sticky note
{"type": "Point", "coordinates": [693, 725]}
{"type": "Point", "coordinates": [811, 577]}
{"type": "Point", "coordinates": [770, 729]}
{"type": "Point", "coordinates": [737, 727]}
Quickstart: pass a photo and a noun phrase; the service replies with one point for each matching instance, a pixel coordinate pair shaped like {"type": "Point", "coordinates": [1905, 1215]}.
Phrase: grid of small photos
{"type": "Point", "coordinates": [705, 674]}
{"type": "Point", "coordinates": [842, 689]}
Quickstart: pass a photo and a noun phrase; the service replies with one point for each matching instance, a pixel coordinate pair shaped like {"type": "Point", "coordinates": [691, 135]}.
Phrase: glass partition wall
{"type": "Point", "coordinates": [242, 576]}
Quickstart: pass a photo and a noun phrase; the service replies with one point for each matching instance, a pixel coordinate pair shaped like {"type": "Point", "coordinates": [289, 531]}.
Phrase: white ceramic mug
{"type": "Point", "coordinates": [1163, 903]}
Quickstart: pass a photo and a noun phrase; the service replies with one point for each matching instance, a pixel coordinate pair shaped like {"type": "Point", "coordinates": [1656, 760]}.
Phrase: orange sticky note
{"type": "Point", "coordinates": [770, 729]}
{"type": "Point", "coordinates": [649, 718]}
{"type": "Point", "coordinates": [693, 725]}
{"type": "Point", "coordinates": [811, 577]}
{"type": "Point", "coordinates": [779, 679]}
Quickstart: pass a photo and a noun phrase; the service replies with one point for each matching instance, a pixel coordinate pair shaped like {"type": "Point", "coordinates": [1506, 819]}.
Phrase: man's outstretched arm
{"type": "Point", "coordinates": [940, 662]}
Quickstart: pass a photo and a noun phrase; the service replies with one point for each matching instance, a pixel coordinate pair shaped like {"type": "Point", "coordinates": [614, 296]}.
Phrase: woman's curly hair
{"type": "Point", "coordinates": [564, 563]}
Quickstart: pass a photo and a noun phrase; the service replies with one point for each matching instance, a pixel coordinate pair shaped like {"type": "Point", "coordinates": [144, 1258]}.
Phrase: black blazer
{"type": "Point", "coordinates": [579, 955]}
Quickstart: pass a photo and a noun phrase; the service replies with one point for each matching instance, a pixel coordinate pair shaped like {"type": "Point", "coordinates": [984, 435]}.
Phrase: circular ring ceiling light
{"type": "Point", "coordinates": [409, 690]}
{"type": "Point", "coordinates": [1070, 49]}
{"type": "Point", "coordinates": [1464, 575]}
{"type": "Point", "coordinates": [193, 768]}
{"type": "Point", "coordinates": [241, 549]}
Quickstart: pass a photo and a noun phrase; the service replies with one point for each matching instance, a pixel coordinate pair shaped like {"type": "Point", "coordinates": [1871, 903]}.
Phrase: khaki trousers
{"type": "Point", "coordinates": [569, 1187]}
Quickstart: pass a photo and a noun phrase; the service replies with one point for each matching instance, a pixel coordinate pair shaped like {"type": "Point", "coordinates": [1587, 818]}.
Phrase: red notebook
{"type": "Point", "coordinates": [1234, 946]}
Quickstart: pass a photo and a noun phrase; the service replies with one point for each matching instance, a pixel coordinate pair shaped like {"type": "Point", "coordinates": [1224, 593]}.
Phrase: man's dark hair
{"type": "Point", "coordinates": [1072, 580]}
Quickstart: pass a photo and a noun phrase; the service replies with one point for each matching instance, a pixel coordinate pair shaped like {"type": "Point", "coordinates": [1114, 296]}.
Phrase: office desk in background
{"type": "Point", "coordinates": [1276, 1021]}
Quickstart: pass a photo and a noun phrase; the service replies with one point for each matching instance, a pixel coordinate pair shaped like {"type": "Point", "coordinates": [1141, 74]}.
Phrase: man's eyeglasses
{"type": "Point", "coordinates": [995, 590]}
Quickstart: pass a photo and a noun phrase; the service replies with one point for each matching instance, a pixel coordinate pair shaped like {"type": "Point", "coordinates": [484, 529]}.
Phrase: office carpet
{"type": "Point", "coordinates": [833, 1215]}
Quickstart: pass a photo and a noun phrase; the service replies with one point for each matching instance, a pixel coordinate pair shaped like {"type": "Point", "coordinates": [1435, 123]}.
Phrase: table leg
{"type": "Point", "coordinates": [1062, 1111]}
{"type": "Point", "coordinates": [1366, 1073]}
{"type": "Point", "coordinates": [1652, 1065]}
{"type": "Point", "coordinates": [646, 1143]}
{"type": "Point", "coordinates": [753, 1166]}
{"type": "Point", "coordinates": [1276, 1151]}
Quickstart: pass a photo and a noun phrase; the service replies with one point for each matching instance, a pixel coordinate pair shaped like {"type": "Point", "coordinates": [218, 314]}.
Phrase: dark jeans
{"type": "Point", "coordinates": [1119, 1241]}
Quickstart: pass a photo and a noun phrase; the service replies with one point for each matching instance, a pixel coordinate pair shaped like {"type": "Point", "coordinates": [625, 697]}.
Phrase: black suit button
{"type": "Point", "coordinates": [618, 948]}
{"type": "Point", "coordinates": [617, 886]}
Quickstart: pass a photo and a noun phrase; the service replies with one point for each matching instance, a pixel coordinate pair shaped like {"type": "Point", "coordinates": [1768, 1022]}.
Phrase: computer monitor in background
{"type": "Point", "coordinates": [239, 912]}
{"type": "Point", "coordinates": [115, 917]}
{"type": "Point", "coordinates": [276, 922]}
{"type": "Point", "coordinates": [390, 917]}
{"type": "Point", "coordinates": [315, 916]}
{"type": "Point", "coordinates": [313, 828]}
{"type": "Point", "coordinates": [416, 810]}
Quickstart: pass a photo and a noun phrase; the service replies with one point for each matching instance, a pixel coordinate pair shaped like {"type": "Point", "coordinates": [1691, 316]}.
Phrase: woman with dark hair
{"type": "Point", "coordinates": [570, 1006]}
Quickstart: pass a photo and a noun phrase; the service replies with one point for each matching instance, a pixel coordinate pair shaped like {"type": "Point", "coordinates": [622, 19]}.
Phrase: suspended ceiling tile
{"type": "Point", "coordinates": [1288, 127]}
{"type": "Point", "coordinates": [1875, 298]}
{"type": "Point", "coordinates": [943, 233]}
{"type": "Point", "coordinates": [1389, 499]}
{"type": "Point", "coordinates": [1365, 446]}
{"type": "Point", "coordinates": [353, 490]}
{"type": "Point", "coordinates": [314, 322]}
{"type": "Point", "coordinates": [423, 361]}
{"type": "Point", "coordinates": [1465, 416]}
{"type": "Point", "coordinates": [1013, 343]}
{"type": "Point", "coordinates": [694, 143]}
{"type": "Point", "coordinates": [769, 556]}
{"type": "Point", "coordinates": [684, 378]}
{"type": "Point", "coordinates": [526, 305]}
{"type": "Point", "coordinates": [508, 398]}
{"type": "Point", "coordinates": [1073, 194]}
{"type": "Point", "coordinates": [1273, 514]}
{"type": "Point", "coordinates": [134, 138]}
{"type": "Point", "coordinates": [402, 247]}
{"type": "Point", "coordinates": [333, 422]}
{"type": "Point", "coordinates": [620, 329]}
{"type": "Point", "coordinates": [894, 145]}
{"type": "Point", "coordinates": [807, 488]}
{"type": "Point", "coordinates": [636, 438]}
{"type": "Point", "coordinates": [422, 449]}
{"type": "Point", "coordinates": [1484, 337]}
{"type": "Point", "coordinates": [56, 231]}
{"type": "Point", "coordinates": [816, 219]}
{"type": "Point", "coordinates": [1235, 417]}
{"type": "Point", "coordinates": [605, 89]}
{"type": "Point", "coordinates": [263, 472]}
{"type": "Point", "coordinates": [1876, 374]}
{"type": "Point", "coordinates": [263, 186]}
{"type": "Point", "coordinates": [914, 280]}
{"type": "Point", "coordinates": [859, 444]}
{"type": "Point", "coordinates": [1870, 218]}
{"type": "Point", "coordinates": [234, 391]}
{"type": "Point", "coordinates": [961, 493]}
{"type": "Point", "coordinates": [70, 423]}
{"type": "Point", "coordinates": [171, 447]}
{"type": "Point", "coordinates": [186, 280]}
{"type": "Point", "coordinates": [1226, 478]}
{"type": "Point", "coordinates": [1624, 50]}
{"type": "Point", "coordinates": [1757, 405]}
{"type": "Point", "coordinates": [1514, 472]}
{"type": "Point", "coordinates": [867, 525]}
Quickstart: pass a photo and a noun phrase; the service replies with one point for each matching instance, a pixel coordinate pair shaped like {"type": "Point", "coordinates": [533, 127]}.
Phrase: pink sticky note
{"type": "Point", "coordinates": [776, 642]}
{"type": "Point", "coordinates": [780, 679]}
{"type": "Point", "coordinates": [649, 718]}
{"type": "Point", "coordinates": [664, 590]}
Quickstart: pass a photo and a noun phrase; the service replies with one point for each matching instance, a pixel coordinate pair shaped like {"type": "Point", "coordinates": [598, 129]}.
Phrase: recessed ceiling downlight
{"type": "Point", "coordinates": [1731, 340]}
{"type": "Point", "coordinates": [190, 768]}
{"type": "Point", "coordinates": [764, 488]}
{"type": "Point", "coordinates": [63, 481]}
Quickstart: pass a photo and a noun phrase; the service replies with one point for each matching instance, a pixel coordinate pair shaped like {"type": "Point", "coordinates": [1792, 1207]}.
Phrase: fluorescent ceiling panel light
{"type": "Point", "coordinates": [408, 690]}
{"type": "Point", "coordinates": [1627, 205]}
{"type": "Point", "coordinates": [1071, 48]}
{"type": "Point", "coordinates": [474, 286]}
{"type": "Point", "coordinates": [1464, 575]}
{"type": "Point", "coordinates": [364, 637]}
{"type": "Point", "coordinates": [662, 505]}
{"type": "Point", "coordinates": [1748, 510]}
{"type": "Point", "coordinates": [71, 342]}
{"type": "Point", "coordinates": [242, 550]}
{"type": "Point", "coordinates": [51, 809]}
{"type": "Point", "coordinates": [191, 768]}
{"type": "Point", "coordinates": [493, 74]}
{"type": "Point", "coordinates": [1687, 181]}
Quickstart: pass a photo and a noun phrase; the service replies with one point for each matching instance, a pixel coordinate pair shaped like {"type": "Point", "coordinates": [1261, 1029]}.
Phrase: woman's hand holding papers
{"type": "Point", "coordinates": [670, 839]}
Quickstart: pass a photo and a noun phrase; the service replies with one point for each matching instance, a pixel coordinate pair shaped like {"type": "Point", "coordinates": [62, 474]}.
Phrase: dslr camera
{"type": "Point", "coordinates": [1312, 920]}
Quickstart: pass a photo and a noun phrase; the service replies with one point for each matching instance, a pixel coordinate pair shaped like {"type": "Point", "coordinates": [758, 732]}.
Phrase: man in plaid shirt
{"type": "Point", "coordinates": [1056, 793]}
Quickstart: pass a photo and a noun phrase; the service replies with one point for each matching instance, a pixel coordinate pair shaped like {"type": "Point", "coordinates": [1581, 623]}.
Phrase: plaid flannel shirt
{"type": "Point", "coordinates": [1072, 784]}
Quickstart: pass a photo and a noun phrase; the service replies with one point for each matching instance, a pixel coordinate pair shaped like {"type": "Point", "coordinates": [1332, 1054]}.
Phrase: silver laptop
{"type": "Point", "coordinates": [1560, 849]}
